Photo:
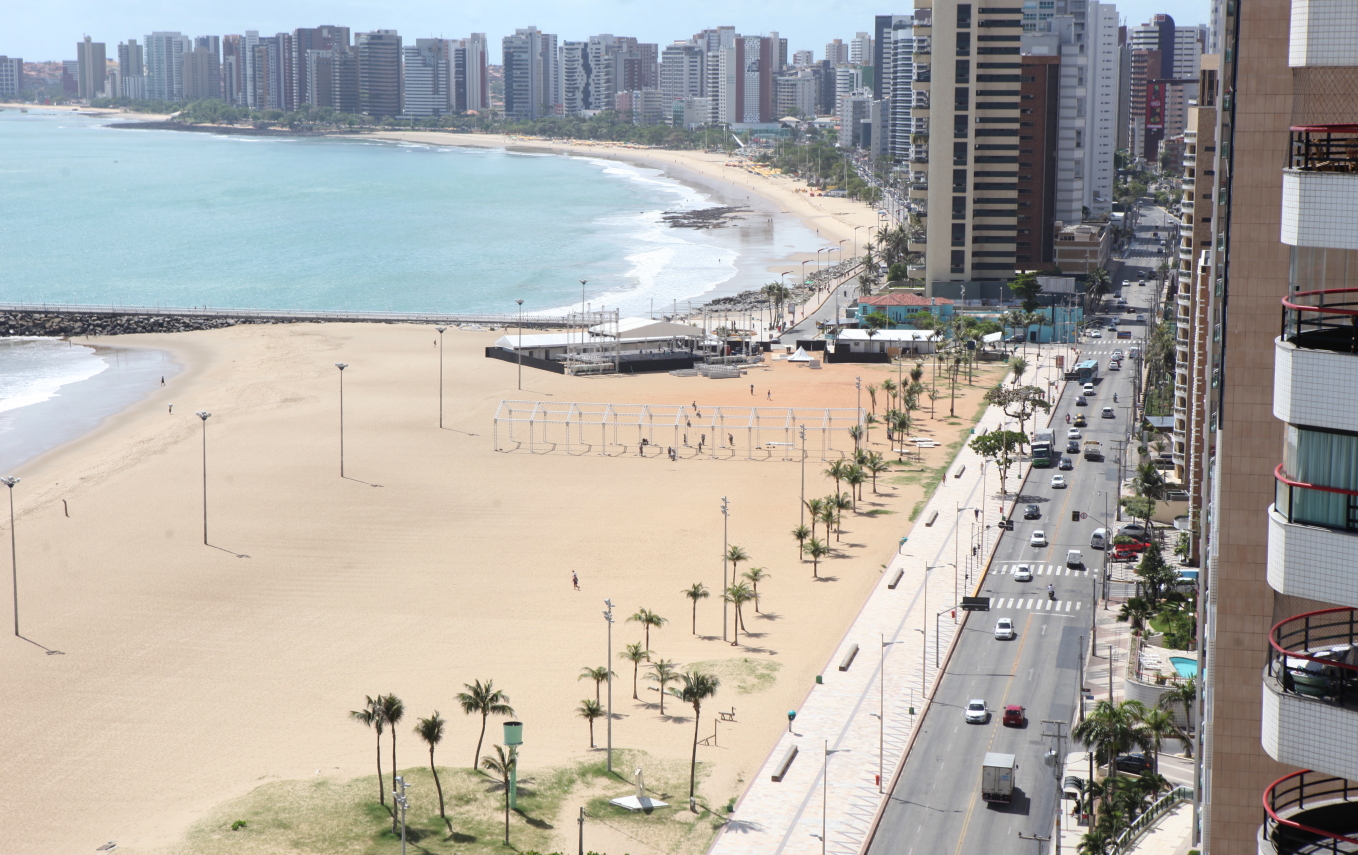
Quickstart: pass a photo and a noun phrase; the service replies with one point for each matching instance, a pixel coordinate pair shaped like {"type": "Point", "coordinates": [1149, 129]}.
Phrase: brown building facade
{"type": "Point", "coordinates": [1039, 109]}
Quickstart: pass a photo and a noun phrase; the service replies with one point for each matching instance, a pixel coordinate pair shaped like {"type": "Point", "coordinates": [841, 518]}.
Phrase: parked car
{"type": "Point", "coordinates": [1132, 530]}
{"type": "Point", "coordinates": [1014, 716]}
{"type": "Point", "coordinates": [1023, 573]}
{"type": "Point", "coordinates": [1134, 763]}
{"type": "Point", "coordinates": [1032, 512]}
{"type": "Point", "coordinates": [976, 713]}
{"type": "Point", "coordinates": [1037, 538]}
{"type": "Point", "coordinates": [1059, 482]}
{"type": "Point", "coordinates": [1004, 629]}
{"type": "Point", "coordinates": [1065, 464]}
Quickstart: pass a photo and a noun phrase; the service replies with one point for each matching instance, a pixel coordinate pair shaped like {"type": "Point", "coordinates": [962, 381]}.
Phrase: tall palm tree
{"type": "Point", "coordinates": [756, 575]}
{"type": "Point", "coordinates": [735, 555]}
{"type": "Point", "coordinates": [738, 595]}
{"type": "Point", "coordinates": [841, 503]}
{"type": "Point", "coordinates": [814, 508]}
{"type": "Point", "coordinates": [1182, 695]}
{"type": "Point", "coordinates": [856, 434]}
{"type": "Point", "coordinates": [855, 478]}
{"type": "Point", "coordinates": [872, 389]}
{"type": "Point", "coordinates": [663, 672]}
{"type": "Point", "coordinates": [800, 534]}
{"type": "Point", "coordinates": [817, 550]}
{"type": "Point", "coordinates": [371, 716]}
{"type": "Point", "coordinates": [484, 700]}
{"type": "Point", "coordinates": [889, 386]}
{"type": "Point", "coordinates": [431, 731]}
{"type": "Point", "coordinates": [598, 675]}
{"type": "Point", "coordinates": [590, 710]}
{"type": "Point", "coordinates": [696, 592]}
{"type": "Point", "coordinates": [1019, 366]}
{"type": "Point", "coordinates": [502, 764]}
{"type": "Point", "coordinates": [636, 654]}
{"type": "Point", "coordinates": [697, 687]}
{"type": "Point", "coordinates": [836, 471]}
{"type": "Point", "coordinates": [1157, 725]}
{"type": "Point", "coordinates": [392, 710]}
{"type": "Point", "coordinates": [1112, 729]}
{"type": "Point", "coordinates": [868, 421]}
{"type": "Point", "coordinates": [877, 466]}
{"type": "Point", "coordinates": [900, 425]}
{"type": "Point", "coordinates": [648, 619]}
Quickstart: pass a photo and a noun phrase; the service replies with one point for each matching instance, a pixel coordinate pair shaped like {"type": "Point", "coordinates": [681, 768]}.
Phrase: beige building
{"type": "Point", "coordinates": [1083, 247]}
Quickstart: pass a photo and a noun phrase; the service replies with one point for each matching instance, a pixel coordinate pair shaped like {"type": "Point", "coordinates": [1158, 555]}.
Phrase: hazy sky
{"type": "Point", "coordinates": [49, 30]}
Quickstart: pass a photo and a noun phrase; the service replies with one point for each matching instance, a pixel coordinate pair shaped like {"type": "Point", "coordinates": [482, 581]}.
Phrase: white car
{"type": "Point", "coordinates": [1074, 558]}
{"type": "Point", "coordinates": [1037, 538]}
{"type": "Point", "coordinates": [1074, 433]}
{"type": "Point", "coordinates": [1058, 482]}
{"type": "Point", "coordinates": [1023, 573]}
{"type": "Point", "coordinates": [1108, 413]}
{"type": "Point", "coordinates": [1126, 283]}
{"type": "Point", "coordinates": [1004, 629]}
{"type": "Point", "coordinates": [976, 713]}
{"type": "Point", "coordinates": [1095, 334]}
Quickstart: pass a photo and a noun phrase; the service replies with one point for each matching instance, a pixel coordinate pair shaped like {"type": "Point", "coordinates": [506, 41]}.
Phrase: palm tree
{"type": "Point", "coordinates": [889, 386]}
{"type": "Point", "coordinates": [735, 555]}
{"type": "Point", "coordinates": [841, 503]}
{"type": "Point", "coordinates": [900, 424]}
{"type": "Point", "coordinates": [431, 731]}
{"type": "Point", "coordinates": [756, 575]}
{"type": "Point", "coordinates": [872, 395]}
{"type": "Point", "coordinates": [836, 471]}
{"type": "Point", "coordinates": [738, 595]}
{"type": "Point", "coordinates": [855, 478]}
{"type": "Point", "coordinates": [697, 687]}
{"type": "Point", "coordinates": [502, 764]}
{"type": "Point", "coordinates": [1112, 729]}
{"type": "Point", "coordinates": [1018, 365]}
{"type": "Point", "coordinates": [371, 716]}
{"type": "Point", "coordinates": [800, 534]}
{"type": "Point", "coordinates": [868, 421]}
{"type": "Point", "coordinates": [829, 513]}
{"type": "Point", "coordinates": [1136, 610]}
{"type": "Point", "coordinates": [1157, 725]}
{"type": "Point", "coordinates": [817, 550]}
{"type": "Point", "coordinates": [814, 508]}
{"type": "Point", "coordinates": [598, 675]}
{"type": "Point", "coordinates": [486, 701]}
{"type": "Point", "coordinates": [392, 710]}
{"type": "Point", "coordinates": [636, 654]}
{"type": "Point", "coordinates": [648, 619]}
{"type": "Point", "coordinates": [696, 592]}
{"type": "Point", "coordinates": [1183, 695]}
{"type": "Point", "coordinates": [877, 466]}
{"type": "Point", "coordinates": [590, 710]}
{"type": "Point", "coordinates": [663, 672]}
{"type": "Point", "coordinates": [856, 434]}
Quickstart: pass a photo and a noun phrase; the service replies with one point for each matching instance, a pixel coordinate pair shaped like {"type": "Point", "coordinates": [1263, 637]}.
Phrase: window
{"type": "Point", "coordinates": [959, 154]}
{"type": "Point", "coordinates": [963, 74]}
{"type": "Point", "coordinates": [959, 181]}
{"type": "Point", "coordinates": [960, 98]}
{"type": "Point", "coordinates": [1025, 166]}
{"type": "Point", "coordinates": [959, 125]}
{"type": "Point", "coordinates": [959, 207]}
{"type": "Point", "coordinates": [959, 234]}
{"type": "Point", "coordinates": [963, 16]}
{"type": "Point", "coordinates": [964, 44]}
{"type": "Point", "coordinates": [959, 261]}
{"type": "Point", "coordinates": [1324, 458]}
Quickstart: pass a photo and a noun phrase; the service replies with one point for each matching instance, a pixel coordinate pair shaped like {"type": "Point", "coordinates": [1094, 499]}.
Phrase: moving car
{"type": "Point", "coordinates": [1115, 365]}
{"type": "Point", "coordinates": [976, 713]}
{"type": "Point", "coordinates": [1065, 464]}
{"type": "Point", "coordinates": [1117, 354]}
{"type": "Point", "coordinates": [1073, 447]}
{"type": "Point", "coordinates": [1037, 538]}
{"type": "Point", "coordinates": [1098, 539]}
{"type": "Point", "coordinates": [1074, 433]}
{"type": "Point", "coordinates": [1032, 512]}
{"type": "Point", "coordinates": [1125, 283]}
{"type": "Point", "coordinates": [1014, 716]}
{"type": "Point", "coordinates": [1023, 573]}
{"type": "Point", "coordinates": [1004, 629]}
{"type": "Point", "coordinates": [1108, 413]}
{"type": "Point", "coordinates": [1089, 389]}
{"type": "Point", "coordinates": [1058, 482]}
{"type": "Point", "coordinates": [1095, 334]}
{"type": "Point", "coordinates": [1081, 421]}
{"type": "Point", "coordinates": [1081, 400]}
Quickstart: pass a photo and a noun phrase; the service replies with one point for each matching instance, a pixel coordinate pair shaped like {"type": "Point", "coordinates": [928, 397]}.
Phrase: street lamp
{"type": "Point", "coordinates": [725, 524]}
{"type": "Point", "coordinates": [204, 415]}
{"type": "Point", "coordinates": [9, 482]}
{"type": "Point", "coordinates": [520, 348]}
{"type": "Point", "coordinates": [804, 263]}
{"type": "Point", "coordinates": [801, 432]}
{"type": "Point", "coordinates": [855, 238]}
{"type": "Point", "coordinates": [881, 714]}
{"type": "Point", "coordinates": [608, 616]}
{"type": "Point", "coordinates": [341, 366]}
{"type": "Point", "coordinates": [818, 252]}
{"type": "Point", "coordinates": [440, 329]}
{"type": "Point", "coordinates": [513, 739]}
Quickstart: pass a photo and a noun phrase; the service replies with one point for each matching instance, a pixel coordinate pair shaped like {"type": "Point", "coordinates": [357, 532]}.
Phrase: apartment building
{"type": "Point", "coordinates": [164, 54]}
{"type": "Point", "coordinates": [682, 71]}
{"type": "Point", "coordinates": [1038, 164]}
{"type": "Point", "coordinates": [90, 68]}
{"type": "Point", "coordinates": [11, 76]}
{"type": "Point", "coordinates": [860, 49]}
{"type": "Point", "coordinates": [202, 74]}
{"type": "Point", "coordinates": [427, 79]}
{"type": "Point", "coordinates": [837, 52]}
{"type": "Point", "coordinates": [740, 86]}
{"type": "Point", "coordinates": [379, 72]}
{"type": "Point", "coordinates": [531, 74]}
{"type": "Point", "coordinates": [326, 37]}
{"type": "Point", "coordinates": [471, 83]}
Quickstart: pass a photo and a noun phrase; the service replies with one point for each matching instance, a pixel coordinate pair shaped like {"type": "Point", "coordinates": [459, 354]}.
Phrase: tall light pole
{"type": "Point", "coordinates": [881, 714]}
{"type": "Point", "coordinates": [440, 329]}
{"type": "Point", "coordinates": [608, 616]}
{"type": "Point", "coordinates": [855, 238]}
{"type": "Point", "coordinates": [956, 536]}
{"type": "Point", "coordinates": [725, 526]}
{"type": "Point", "coordinates": [341, 366]}
{"type": "Point", "coordinates": [520, 348]}
{"type": "Point", "coordinates": [204, 415]}
{"type": "Point", "coordinates": [9, 482]}
{"type": "Point", "coordinates": [801, 431]}
{"type": "Point", "coordinates": [804, 263]}
{"type": "Point", "coordinates": [818, 252]}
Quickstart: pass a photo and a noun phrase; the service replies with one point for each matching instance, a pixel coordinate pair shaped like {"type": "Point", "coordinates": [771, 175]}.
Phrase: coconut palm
{"type": "Point", "coordinates": [1136, 610]}
{"type": "Point", "coordinates": [814, 507]}
{"type": "Point", "coordinates": [371, 716]}
{"type": "Point", "coordinates": [877, 466]}
{"type": "Point", "coordinates": [598, 675]}
{"type": "Point", "coordinates": [590, 710]}
{"type": "Point", "coordinates": [800, 534]}
{"type": "Point", "coordinates": [868, 421]}
{"type": "Point", "coordinates": [636, 654]}
{"type": "Point", "coordinates": [502, 764]}
{"type": "Point", "coordinates": [484, 700]}
{"type": "Point", "coordinates": [648, 619]}
{"type": "Point", "coordinates": [1157, 725]}
{"type": "Point", "coordinates": [1182, 695]}
{"type": "Point", "coordinates": [697, 687]}
{"type": "Point", "coordinates": [663, 672]}
{"type": "Point", "coordinates": [836, 471]}
{"type": "Point", "coordinates": [756, 575]}
{"type": "Point", "coordinates": [889, 386]}
{"type": "Point", "coordinates": [1112, 729]}
{"type": "Point", "coordinates": [392, 710]}
{"type": "Point", "coordinates": [738, 595]}
{"type": "Point", "coordinates": [431, 731]}
{"type": "Point", "coordinates": [841, 503]}
{"type": "Point", "coordinates": [855, 478]}
{"type": "Point", "coordinates": [900, 425]}
{"type": "Point", "coordinates": [735, 555]}
{"type": "Point", "coordinates": [872, 389]}
{"type": "Point", "coordinates": [817, 550]}
{"type": "Point", "coordinates": [1018, 366]}
{"type": "Point", "coordinates": [696, 592]}
{"type": "Point", "coordinates": [856, 434]}
{"type": "Point", "coordinates": [829, 514]}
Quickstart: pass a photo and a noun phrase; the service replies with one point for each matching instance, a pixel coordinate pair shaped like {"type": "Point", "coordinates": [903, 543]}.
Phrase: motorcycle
{"type": "Point", "coordinates": [1051, 592]}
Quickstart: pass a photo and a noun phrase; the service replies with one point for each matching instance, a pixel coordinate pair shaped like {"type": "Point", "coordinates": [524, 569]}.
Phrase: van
{"type": "Point", "coordinates": [1088, 389]}
{"type": "Point", "coordinates": [1074, 558]}
{"type": "Point", "coordinates": [1099, 539]}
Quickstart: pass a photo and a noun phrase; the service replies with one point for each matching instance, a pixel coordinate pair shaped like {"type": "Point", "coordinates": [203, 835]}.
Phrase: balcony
{"type": "Point", "coordinates": [1306, 558]}
{"type": "Point", "coordinates": [1316, 357]}
{"type": "Point", "coordinates": [1320, 187]}
{"type": "Point", "coordinates": [1322, 34]}
{"type": "Point", "coordinates": [1310, 690]}
{"type": "Point", "coordinates": [1307, 813]}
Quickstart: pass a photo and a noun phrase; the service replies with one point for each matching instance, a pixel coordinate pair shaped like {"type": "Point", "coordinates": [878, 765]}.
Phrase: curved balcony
{"type": "Point", "coordinates": [1320, 187]}
{"type": "Point", "coordinates": [1306, 812]}
{"type": "Point", "coordinates": [1315, 357]}
{"type": "Point", "coordinates": [1310, 692]}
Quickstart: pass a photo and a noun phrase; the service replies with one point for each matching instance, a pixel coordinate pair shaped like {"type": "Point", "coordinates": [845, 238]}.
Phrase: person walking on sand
{"type": "Point", "coordinates": [162, 382]}
{"type": "Point", "coordinates": [172, 408]}
{"type": "Point", "coordinates": [770, 394]}
{"type": "Point", "coordinates": [575, 580]}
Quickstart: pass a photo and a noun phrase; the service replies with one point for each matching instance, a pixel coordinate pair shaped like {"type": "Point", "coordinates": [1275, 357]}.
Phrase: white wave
{"type": "Point", "coordinates": [33, 370]}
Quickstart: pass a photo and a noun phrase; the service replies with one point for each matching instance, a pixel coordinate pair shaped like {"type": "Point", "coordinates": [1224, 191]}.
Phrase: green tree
{"type": "Point", "coordinates": [589, 710]}
{"type": "Point", "coordinates": [817, 550]}
{"type": "Point", "coordinates": [1000, 446]}
{"type": "Point", "coordinates": [756, 575]}
{"type": "Point", "coordinates": [814, 507]}
{"type": "Point", "coordinates": [502, 765]}
{"type": "Point", "coordinates": [1182, 695]}
{"type": "Point", "coordinates": [663, 672]}
{"type": "Point", "coordinates": [838, 505]}
{"type": "Point", "coordinates": [738, 595]}
{"type": "Point", "coordinates": [1157, 725]}
{"type": "Point", "coordinates": [735, 555]}
{"type": "Point", "coordinates": [1136, 610]}
{"type": "Point", "coordinates": [636, 654]}
{"type": "Point", "coordinates": [800, 534]}
{"type": "Point", "coordinates": [598, 675]}
{"type": "Point", "coordinates": [1018, 366]}
{"type": "Point", "coordinates": [836, 470]}
{"type": "Point", "coordinates": [876, 465]}
{"type": "Point", "coordinates": [371, 716]}
{"type": "Point", "coordinates": [695, 592]}
{"type": "Point", "coordinates": [855, 477]}
{"type": "Point", "coordinates": [1148, 482]}
{"type": "Point", "coordinates": [1155, 573]}
{"type": "Point", "coordinates": [1139, 507]}
{"type": "Point", "coordinates": [648, 619]}
{"type": "Point", "coordinates": [697, 687]}
{"type": "Point", "coordinates": [1111, 729]}
{"type": "Point", "coordinates": [1018, 402]}
{"type": "Point", "coordinates": [1026, 287]}
{"type": "Point", "coordinates": [431, 731]}
{"type": "Point", "coordinates": [484, 700]}
{"type": "Point", "coordinates": [392, 711]}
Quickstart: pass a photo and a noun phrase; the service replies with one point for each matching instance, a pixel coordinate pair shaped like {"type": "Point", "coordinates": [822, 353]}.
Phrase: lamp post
{"type": "Point", "coordinates": [725, 525]}
{"type": "Point", "coordinates": [204, 415]}
{"type": "Point", "coordinates": [855, 238]}
{"type": "Point", "coordinates": [520, 348]}
{"type": "Point", "coordinates": [440, 329]}
{"type": "Point", "coordinates": [881, 714]}
{"type": "Point", "coordinates": [818, 252]}
{"type": "Point", "coordinates": [804, 263]}
{"type": "Point", "coordinates": [399, 796]}
{"type": "Point", "coordinates": [608, 616]}
{"type": "Point", "coordinates": [801, 432]}
{"type": "Point", "coordinates": [341, 366]}
{"type": "Point", "coordinates": [513, 739]}
{"type": "Point", "coordinates": [9, 482]}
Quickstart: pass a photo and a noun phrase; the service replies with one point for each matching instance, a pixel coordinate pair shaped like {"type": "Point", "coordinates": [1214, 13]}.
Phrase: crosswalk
{"type": "Point", "coordinates": [1043, 570]}
{"type": "Point", "coordinates": [1040, 604]}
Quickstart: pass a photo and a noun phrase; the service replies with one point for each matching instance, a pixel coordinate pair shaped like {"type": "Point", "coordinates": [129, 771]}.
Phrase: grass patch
{"type": "Point", "coordinates": [878, 512]}
{"type": "Point", "coordinates": [915, 511]}
{"type": "Point", "coordinates": [746, 675]}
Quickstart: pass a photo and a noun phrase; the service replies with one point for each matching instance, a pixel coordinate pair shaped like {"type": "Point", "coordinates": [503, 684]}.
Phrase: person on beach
{"type": "Point", "coordinates": [770, 395]}
{"type": "Point", "coordinates": [575, 580]}
{"type": "Point", "coordinates": [172, 408]}
{"type": "Point", "coordinates": [162, 382]}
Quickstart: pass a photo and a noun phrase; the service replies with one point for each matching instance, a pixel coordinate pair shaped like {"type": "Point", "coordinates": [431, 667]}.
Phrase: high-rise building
{"type": "Point", "coordinates": [11, 76]}
{"type": "Point", "coordinates": [471, 85]}
{"type": "Point", "coordinates": [682, 71]}
{"type": "Point", "coordinates": [202, 74]}
{"type": "Point", "coordinates": [906, 110]}
{"type": "Point", "coordinates": [740, 81]}
{"type": "Point", "coordinates": [345, 81]}
{"type": "Point", "coordinates": [803, 59]}
{"type": "Point", "coordinates": [795, 94]}
{"type": "Point", "coordinates": [1039, 174]}
{"type": "Point", "coordinates": [379, 72]}
{"type": "Point", "coordinates": [272, 69]}
{"type": "Point", "coordinates": [232, 69]}
{"type": "Point", "coordinates": [531, 74]}
{"type": "Point", "coordinates": [860, 50]}
{"type": "Point", "coordinates": [427, 79]}
{"type": "Point", "coordinates": [165, 65]}
{"type": "Point", "coordinates": [304, 40]}
{"type": "Point", "coordinates": [837, 52]}
{"type": "Point", "coordinates": [90, 68]}
{"type": "Point", "coordinates": [246, 50]}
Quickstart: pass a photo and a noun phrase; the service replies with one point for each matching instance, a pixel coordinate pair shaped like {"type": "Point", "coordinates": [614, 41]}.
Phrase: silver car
{"type": "Point", "coordinates": [976, 713]}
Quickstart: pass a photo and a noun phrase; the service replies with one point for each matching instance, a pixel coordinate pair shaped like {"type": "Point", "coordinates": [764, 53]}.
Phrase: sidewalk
{"type": "Point", "coordinates": [842, 714]}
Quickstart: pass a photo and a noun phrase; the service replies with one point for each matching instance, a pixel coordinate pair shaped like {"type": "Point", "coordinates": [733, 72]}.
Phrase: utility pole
{"type": "Point", "coordinates": [10, 481]}
{"type": "Point", "coordinates": [581, 822]}
{"type": "Point", "coordinates": [608, 616]}
{"type": "Point", "coordinates": [441, 331]}
{"type": "Point", "coordinates": [801, 432]}
{"type": "Point", "coordinates": [725, 523]}
{"type": "Point", "coordinates": [399, 795]}
{"type": "Point", "coordinates": [1058, 764]}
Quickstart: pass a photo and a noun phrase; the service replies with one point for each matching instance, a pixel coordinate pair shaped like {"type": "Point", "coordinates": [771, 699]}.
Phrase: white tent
{"type": "Point", "coordinates": [799, 356]}
{"type": "Point", "coordinates": [646, 328]}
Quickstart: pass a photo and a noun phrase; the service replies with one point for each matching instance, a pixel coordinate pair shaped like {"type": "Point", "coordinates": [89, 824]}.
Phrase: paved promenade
{"type": "Point", "coordinates": [832, 786]}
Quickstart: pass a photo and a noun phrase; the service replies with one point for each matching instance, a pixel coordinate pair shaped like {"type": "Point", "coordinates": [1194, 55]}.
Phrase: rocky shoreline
{"type": "Point", "coordinates": [62, 324]}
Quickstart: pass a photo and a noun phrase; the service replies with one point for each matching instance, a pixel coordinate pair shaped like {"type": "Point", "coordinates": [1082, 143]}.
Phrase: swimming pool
{"type": "Point", "coordinates": [1185, 666]}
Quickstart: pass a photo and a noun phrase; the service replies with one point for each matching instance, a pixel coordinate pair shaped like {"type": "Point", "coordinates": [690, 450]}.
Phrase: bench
{"type": "Point", "coordinates": [780, 771]}
{"type": "Point", "coordinates": [848, 658]}
{"type": "Point", "coordinates": [727, 716]}
{"type": "Point", "coordinates": [895, 580]}
{"type": "Point", "coordinates": [931, 519]}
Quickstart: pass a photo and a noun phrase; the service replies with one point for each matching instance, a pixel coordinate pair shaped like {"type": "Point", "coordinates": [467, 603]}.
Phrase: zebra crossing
{"type": "Point", "coordinates": [1039, 604]}
{"type": "Point", "coordinates": [1044, 570]}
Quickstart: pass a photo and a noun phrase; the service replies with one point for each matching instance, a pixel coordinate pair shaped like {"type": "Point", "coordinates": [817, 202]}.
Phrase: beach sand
{"type": "Point", "coordinates": [189, 675]}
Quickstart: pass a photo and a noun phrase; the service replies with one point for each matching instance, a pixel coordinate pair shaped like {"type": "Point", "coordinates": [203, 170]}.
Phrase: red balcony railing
{"type": "Point", "coordinates": [1315, 655]}
{"type": "Point", "coordinates": [1307, 812]}
{"type": "Point", "coordinates": [1322, 320]}
{"type": "Point", "coordinates": [1313, 504]}
{"type": "Point", "coordinates": [1324, 148]}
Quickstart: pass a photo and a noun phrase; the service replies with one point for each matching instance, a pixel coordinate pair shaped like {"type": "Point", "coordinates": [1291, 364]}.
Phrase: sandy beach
{"type": "Point", "coordinates": [189, 675]}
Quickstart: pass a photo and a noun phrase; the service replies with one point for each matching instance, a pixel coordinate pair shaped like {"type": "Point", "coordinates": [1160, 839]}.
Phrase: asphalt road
{"type": "Point", "coordinates": [936, 805]}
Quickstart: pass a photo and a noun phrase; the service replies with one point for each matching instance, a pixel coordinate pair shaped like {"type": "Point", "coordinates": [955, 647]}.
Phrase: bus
{"type": "Point", "coordinates": [1086, 371]}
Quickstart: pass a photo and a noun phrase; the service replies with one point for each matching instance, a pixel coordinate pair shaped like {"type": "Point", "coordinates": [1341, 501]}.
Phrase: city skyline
{"type": "Point", "coordinates": [39, 36]}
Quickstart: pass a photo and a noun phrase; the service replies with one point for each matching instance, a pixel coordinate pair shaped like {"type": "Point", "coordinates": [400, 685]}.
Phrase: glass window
{"type": "Point", "coordinates": [1326, 460]}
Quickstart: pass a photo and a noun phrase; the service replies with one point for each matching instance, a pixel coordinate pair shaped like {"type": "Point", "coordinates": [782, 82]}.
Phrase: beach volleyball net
{"type": "Point", "coordinates": [747, 433]}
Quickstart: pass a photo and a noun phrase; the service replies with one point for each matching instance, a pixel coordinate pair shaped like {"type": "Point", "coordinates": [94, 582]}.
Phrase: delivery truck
{"type": "Point", "coordinates": [997, 777]}
{"type": "Point", "coordinates": [1093, 451]}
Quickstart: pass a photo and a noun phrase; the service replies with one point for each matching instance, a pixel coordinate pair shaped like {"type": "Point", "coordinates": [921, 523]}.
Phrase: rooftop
{"type": "Point", "coordinates": [904, 300]}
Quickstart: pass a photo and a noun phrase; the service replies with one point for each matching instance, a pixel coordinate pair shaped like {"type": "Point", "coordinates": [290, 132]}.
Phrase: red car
{"type": "Point", "coordinates": [1014, 716]}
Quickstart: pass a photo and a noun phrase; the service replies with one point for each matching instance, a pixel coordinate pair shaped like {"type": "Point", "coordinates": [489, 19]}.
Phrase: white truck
{"type": "Point", "coordinates": [997, 777]}
{"type": "Point", "coordinates": [1093, 450]}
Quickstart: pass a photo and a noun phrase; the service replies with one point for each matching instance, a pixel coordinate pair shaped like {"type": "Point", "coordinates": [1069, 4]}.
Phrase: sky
{"type": "Point", "coordinates": [49, 30]}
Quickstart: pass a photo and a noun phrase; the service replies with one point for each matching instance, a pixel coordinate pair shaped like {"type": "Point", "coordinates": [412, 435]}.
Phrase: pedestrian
{"type": "Point", "coordinates": [769, 395]}
{"type": "Point", "coordinates": [172, 408]}
{"type": "Point", "coordinates": [575, 580]}
{"type": "Point", "coordinates": [731, 440]}
{"type": "Point", "coordinates": [162, 381]}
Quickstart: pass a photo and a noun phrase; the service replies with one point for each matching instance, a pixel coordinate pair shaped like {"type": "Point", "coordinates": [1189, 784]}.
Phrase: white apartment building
{"type": "Point", "coordinates": [574, 77]}
{"type": "Point", "coordinates": [860, 49]}
{"type": "Point", "coordinates": [427, 79]}
{"type": "Point", "coordinates": [837, 52]}
{"type": "Point", "coordinates": [165, 65]}
{"type": "Point", "coordinates": [803, 59]}
{"type": "Point", "coordinates": [682, 71]}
